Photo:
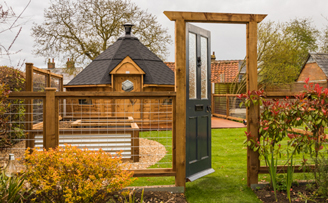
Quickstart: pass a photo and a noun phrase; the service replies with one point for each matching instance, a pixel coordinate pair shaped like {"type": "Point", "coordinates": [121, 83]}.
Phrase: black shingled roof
{"type": "Point", "coordinates": [320, 58]}
{"type": "Point", "coordinates": [97, 72]}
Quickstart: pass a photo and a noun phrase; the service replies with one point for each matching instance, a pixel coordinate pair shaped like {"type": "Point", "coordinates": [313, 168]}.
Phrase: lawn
{"type": "Point", "coordinates": [228, 183]}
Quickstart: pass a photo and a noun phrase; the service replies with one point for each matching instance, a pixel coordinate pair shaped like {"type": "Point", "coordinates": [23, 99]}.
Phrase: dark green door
{"type": "Point", "coordinates": [198, 129]}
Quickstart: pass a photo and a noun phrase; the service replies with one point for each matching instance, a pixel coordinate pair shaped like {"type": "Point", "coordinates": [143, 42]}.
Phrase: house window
{"type": "Point", "coordinates": [127, 86]}
{"type": "Point", "coordinates": [167, 102]}
{"type": "Point", "coordinates": [85, 101]}
{"type": "Point", "coordinates": [222, 77]}
{"type": "Point", "coordinates": [240, 77]}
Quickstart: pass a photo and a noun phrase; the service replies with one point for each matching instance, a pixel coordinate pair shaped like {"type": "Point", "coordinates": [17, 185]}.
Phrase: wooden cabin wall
{"type": "Point", "coordinates": [152, 108]}
{"type": "Point", "coordinates": [145, 111]}
{"type": "Point", "coordinates": [99, 107]}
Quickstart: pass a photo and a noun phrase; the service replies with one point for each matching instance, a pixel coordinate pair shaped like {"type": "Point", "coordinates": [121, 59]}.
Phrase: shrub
{"type": "Point", "coordinates": [12, 80]}
{"type": "Point", "coordinates": [73, 175]}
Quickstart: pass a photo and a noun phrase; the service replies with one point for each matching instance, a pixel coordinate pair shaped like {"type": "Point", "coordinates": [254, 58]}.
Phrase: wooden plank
{"type": "Point", "coordinates": [280, 94]}
{"type": "Point", "coordinates": [252, 112]}
{"type": "Point", "coordinates": [227, 106]}
{"type": "Point", "coordinates": [225, 95]}
{"type": "Point", "coordinates": [283, 169]}
{"type": "Point", "coordinates": [174, 135]}
{"type": "Point", "coordinates": [153, 172]}
{"type": "Point", "coordinates": [102, 85]}
{"type": "Point", "coordinates": [180, 86]}
{"type": "Point", "coordinates": [135, 145]}
{"type": "Point", "coordinates": [50, 136]}
{"type": "Point", "coordinates": [81, 94]}
{"type": "Point", "coordinates": [46, 72]}
{"type": "Point", "coordinates": [118, 125]}
{"type": "Point", "coordinates": [155, 85]}
{"type": "Point", "coordinates": [227, 117]}
{"type": "Point", "coordinates": [231, 18]}
{"type": "Point", "coordinates": [26, 94]}
{"type": "Point", "coordinates": [29, 106]}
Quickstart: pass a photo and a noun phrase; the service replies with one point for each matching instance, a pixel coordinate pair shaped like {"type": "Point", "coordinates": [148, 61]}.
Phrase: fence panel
{"type": "Point", "coordinates": [139, 127]}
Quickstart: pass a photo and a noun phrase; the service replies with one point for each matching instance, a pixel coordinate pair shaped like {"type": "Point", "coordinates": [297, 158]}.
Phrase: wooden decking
{"type": "Point", "coordinates": [225, 123]}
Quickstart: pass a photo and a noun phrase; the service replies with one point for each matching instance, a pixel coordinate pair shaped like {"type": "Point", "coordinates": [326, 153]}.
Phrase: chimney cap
{"type": "Point", "coordinates": [128, 28]}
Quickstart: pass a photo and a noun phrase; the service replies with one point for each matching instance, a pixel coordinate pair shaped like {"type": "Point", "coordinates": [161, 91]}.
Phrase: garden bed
{"type": "Point", "coordinates": [298, 194]}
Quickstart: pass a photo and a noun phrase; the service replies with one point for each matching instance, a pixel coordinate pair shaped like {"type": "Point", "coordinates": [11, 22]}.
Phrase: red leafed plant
{"type": "Point", "coordinates": [278, 117]}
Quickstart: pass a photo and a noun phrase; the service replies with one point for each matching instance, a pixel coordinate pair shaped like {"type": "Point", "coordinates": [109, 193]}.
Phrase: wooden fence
{"type": "Point", "coordinates": [224, 103]}
{"type": "Point", "coordinates": [51, 119]}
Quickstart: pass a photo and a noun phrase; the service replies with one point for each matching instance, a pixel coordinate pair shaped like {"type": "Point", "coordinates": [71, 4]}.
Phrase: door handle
{"type": "Point", "coordinates": [208, 109]}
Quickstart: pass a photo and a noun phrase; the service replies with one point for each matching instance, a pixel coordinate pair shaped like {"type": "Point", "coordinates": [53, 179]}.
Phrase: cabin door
{"type": "Point", "coordinates": [198, 121]}
{"type": "Point", "coordinates": [128, 107]}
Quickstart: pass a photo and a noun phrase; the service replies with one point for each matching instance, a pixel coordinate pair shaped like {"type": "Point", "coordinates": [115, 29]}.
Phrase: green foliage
{"type": "Point", "coordinates": [82, 30]}
{"type": "Point", "coordinates": [73, 175]}
{"type": "Point", "coordinates": [309, 108]}
{"type": "Point", "coordinates": [322, 176]}
{"type": "Point", "coordinates": [12, 189]}
{"type": "Point", "coordinates": [13, 80]}
{"type": "Point", "coordinates": [283, 48]}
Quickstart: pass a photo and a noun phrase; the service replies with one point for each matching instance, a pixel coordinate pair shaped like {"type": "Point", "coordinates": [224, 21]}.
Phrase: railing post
{"type": "Point", "coordinates": [50, 120]}
{"type": "Point", "coordinates": [29, 105]}
{"type": "Point", "coordinates": [227, 105]}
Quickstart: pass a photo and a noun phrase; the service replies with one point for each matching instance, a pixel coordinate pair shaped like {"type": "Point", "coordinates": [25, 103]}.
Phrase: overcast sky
{"type": "Point", "coordinates": [228, 41]}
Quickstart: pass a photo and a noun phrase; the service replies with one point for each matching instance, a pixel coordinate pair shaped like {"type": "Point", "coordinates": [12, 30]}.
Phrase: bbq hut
{"type": "Point", "coordinates": [125, 66]}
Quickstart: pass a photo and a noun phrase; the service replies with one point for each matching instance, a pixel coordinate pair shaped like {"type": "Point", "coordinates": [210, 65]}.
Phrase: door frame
{"type": "Point", "coordinates": [252, 112]}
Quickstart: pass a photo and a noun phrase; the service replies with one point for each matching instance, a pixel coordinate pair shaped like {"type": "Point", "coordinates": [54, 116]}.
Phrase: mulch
{"type": "Point", "coordinates": [298, 194]}
{"type": "Point", "coordinates": [158, 197]}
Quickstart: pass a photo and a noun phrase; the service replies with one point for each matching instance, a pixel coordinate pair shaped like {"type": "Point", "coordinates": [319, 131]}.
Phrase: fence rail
{"type": "Point", "coordinates": [111, 131]}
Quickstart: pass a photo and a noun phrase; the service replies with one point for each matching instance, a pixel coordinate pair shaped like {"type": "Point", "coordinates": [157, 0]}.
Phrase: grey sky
{"type": "Point", "coordinates": [228, 41]}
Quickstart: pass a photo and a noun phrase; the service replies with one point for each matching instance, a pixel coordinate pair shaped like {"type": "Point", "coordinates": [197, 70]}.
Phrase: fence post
{"type": "Point", "coordinates": [50, 120]}
{"type": "Point", "coordinates": [29, 105]}
{"type": "Point", "coordinates": [227, 105]}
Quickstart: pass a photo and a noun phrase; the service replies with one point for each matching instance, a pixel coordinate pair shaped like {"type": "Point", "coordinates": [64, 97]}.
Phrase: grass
{"type": "Point", "coordinates": [227, 183]}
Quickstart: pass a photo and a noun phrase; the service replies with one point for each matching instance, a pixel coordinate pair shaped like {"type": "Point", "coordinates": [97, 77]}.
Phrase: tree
{"type": "Point", "coordinates": [83, 29]}
{"type": "Point", "coordinates": [8, 22]}
{"type": "Point", "coordinates": [282, 50]}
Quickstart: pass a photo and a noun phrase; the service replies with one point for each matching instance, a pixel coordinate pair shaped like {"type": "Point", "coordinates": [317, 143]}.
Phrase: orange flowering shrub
{"type": "Point", "coordinates": [73, 175]}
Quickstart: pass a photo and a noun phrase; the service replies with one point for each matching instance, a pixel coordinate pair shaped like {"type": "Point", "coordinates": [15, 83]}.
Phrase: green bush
{"type": "Point", "coordinates": [11, 80]}
{"type": "Point", "coordinates": [73, 175]}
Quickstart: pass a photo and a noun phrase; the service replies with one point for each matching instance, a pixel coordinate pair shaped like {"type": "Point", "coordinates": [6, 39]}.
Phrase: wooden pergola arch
{"type": "Point", "coordinates": [252, 113]}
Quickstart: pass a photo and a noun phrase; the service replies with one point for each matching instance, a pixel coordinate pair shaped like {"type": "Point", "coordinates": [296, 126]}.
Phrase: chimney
{"type": "Point", "coordinates": [128, 29]}
{"type": "Point", "coordinates": [51, 65]}
{"type": "Point", "coordinates": [213, 57]}
{"type": "Point", "coordinates": [70, 64]}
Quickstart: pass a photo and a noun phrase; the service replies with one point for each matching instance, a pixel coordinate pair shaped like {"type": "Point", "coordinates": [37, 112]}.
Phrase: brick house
{"type": "Point", "coordinates": [222, 71]}
{"type": "Point", "coordinates": [315, 68]}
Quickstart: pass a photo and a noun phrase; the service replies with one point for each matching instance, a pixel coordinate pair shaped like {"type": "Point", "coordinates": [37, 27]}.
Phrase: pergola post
{"type": "Point", "coordinates": [252, 112]}
{"type": "Point", "coordinates": [180, 88]}
{"type": "Point", "coordinates": [180, 19]}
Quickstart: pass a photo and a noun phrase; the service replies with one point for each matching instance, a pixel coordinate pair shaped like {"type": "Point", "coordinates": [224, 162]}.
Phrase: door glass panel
{"type": "Point", "coordinates": [192, 67]}
{"type": "Point", "coordinates": [203, 42]}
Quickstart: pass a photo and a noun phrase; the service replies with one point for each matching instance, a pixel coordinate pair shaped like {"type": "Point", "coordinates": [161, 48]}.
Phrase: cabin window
{"type": "Point", "coordinates": [240, 76]}
{"type": "Point", "coordinates": [127, 86]}
{"type": "Point", "coordinates": [167, 102]}
{"type": "Point", "coordinates": [85, 101]}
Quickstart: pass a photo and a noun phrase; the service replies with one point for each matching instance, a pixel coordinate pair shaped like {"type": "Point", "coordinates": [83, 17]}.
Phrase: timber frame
{"type": "Point", "coordinates": [181, 18]}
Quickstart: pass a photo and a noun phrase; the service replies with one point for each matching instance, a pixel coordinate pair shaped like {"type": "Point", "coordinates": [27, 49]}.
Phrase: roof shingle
{"type": "Point", "coordinates": [97, 72]}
